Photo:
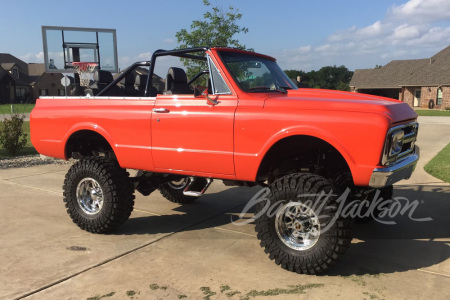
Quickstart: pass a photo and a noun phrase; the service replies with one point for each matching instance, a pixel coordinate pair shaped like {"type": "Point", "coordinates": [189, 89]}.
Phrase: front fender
{"type": "Point", "coordinates": [306, 130]}
{"type": "Point", "coordinates": [358, 136]}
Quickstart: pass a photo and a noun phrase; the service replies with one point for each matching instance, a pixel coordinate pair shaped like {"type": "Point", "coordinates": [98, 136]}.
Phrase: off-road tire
{"type": "Point", "coordinates": [115, 188]}
{"type": "Point", "coordinates": [328, 248]}
{"type": "Point", "coordinates": [174, 192]}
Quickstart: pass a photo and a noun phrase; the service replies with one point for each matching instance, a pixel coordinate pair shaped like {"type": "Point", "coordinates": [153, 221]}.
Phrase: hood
{"type": "Point", "coordinates": [332, 100]}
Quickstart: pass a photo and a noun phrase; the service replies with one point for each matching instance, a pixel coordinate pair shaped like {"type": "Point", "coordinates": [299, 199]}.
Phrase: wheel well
{"type": "Point", "coordinates": [301, 154]}
{"type": "Point", "coordinates": [87, 143]}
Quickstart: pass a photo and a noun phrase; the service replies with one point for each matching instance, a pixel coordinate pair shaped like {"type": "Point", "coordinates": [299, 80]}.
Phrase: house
{"type": "Point", "coordinates": [24, 83]}
{"type": "Point", "coordinates": [7, 86]}
{"type": "Point", "coordinates": [422, 83]}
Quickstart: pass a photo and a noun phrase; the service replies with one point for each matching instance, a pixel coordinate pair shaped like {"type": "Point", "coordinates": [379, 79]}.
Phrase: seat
{"type": "Point", "coordinates": [140, 83]}
{"type": "Point", "coordinates": [176, 82]}
{"type": "Point", "coordinates": [101, 80]}
{"type": "Point", "coordinates": [127, 86]}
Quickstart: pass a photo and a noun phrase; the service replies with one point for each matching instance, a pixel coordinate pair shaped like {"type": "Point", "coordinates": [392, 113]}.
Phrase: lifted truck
{"type": "Point", "coordinates": [241, 120]}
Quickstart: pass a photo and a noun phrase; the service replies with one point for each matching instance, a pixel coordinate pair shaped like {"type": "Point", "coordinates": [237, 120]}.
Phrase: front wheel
{"type": "Point", "coordinates": [98, 194]}
{"type": "Point", "coordinates": [299, 224]}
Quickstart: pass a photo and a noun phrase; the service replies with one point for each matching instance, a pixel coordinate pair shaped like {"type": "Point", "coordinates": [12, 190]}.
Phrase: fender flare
{"type": "Point", "coordinates": [305, 130]}
{"type": "Point", "coordinates": [90, 127]}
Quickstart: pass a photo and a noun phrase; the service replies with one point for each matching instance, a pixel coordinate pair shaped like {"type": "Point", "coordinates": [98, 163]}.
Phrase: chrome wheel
{"type": "Point", "coordinates": [90, 196]}
{"type": "Point", "coordinates": [298, 226]}
{"type": "Point", "coordinates": [179, 184]}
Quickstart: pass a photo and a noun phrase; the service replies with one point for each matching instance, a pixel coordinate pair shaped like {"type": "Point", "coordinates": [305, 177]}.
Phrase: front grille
{"type": "Point", "coordinates": [409, 140]}
{"type": "Point", "coordinates": [410, 130]}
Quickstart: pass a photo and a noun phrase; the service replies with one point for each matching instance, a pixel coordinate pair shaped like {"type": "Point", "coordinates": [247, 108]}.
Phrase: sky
{"type": "Point", "coordinates": [302, 35]}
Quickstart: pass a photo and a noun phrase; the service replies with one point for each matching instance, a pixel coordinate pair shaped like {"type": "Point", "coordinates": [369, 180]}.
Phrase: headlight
{"type": "Point", "coordinates": [396, 143]}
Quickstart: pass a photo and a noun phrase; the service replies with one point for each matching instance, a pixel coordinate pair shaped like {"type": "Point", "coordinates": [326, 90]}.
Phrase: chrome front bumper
{"type": "Point", "coordinates": [403, 169]}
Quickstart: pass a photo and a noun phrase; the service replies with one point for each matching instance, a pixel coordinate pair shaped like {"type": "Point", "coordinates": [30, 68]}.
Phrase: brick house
{"type": "Point", "coordinates": [7, 86]}
{"type": "Point", "coordinates": [24, 83]}
{"type": "Point", "coordinates": [422, 83]}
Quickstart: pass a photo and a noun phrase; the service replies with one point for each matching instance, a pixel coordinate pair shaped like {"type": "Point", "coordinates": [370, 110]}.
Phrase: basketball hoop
{"type": "Point", "coordinates": [84, 69]}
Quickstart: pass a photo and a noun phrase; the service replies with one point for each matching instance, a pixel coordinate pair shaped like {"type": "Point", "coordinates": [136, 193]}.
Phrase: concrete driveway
{"type": "Point", "coordinates": [166, 251]}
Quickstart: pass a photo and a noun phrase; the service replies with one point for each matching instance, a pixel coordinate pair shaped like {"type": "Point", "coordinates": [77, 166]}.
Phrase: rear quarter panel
{"type": "Point", "coordinates": [124, 122]}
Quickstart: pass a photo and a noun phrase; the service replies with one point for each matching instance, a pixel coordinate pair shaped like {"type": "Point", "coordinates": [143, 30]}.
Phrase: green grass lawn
{"type": "Point", "coordinates": [433, 113]}
{"type": "Point", "coordinates": [439, 166]}
{"type": "Point", "coordinates": [18, 108]}
{"type": "Point", "coordinates": [28, 150]}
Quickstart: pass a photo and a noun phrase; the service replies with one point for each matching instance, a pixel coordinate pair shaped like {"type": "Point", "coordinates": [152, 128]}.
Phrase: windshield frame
{"type": "Point", "coordinates": [281, 82]}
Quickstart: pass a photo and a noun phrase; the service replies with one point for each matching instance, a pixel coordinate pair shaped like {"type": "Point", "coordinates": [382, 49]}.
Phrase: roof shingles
{"type": "Point", "coordinates": [434, 71]}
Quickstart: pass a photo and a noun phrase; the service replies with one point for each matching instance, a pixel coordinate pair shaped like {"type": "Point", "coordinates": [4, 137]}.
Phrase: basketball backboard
{"type": "Point", "coordinates": [65, 45]}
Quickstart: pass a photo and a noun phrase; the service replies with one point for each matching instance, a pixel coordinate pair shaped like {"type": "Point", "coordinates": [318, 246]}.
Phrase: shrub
{"type": "Point", "coordinates": [12, 137]}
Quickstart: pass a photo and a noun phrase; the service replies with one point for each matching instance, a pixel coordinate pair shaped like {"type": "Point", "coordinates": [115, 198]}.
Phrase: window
{"type": "Point", "coordinates": [21, 94]}
{"type": "Point", "coordinates": [220, 87]}
{"type": "Point", "coordinates": [43, 92]}
{"type": "Point", "coordinates": [15, 72]}
{"type": "Point", "coordinates": [256, 73]}
{"type": "Point", "coordinates": [439, 97]}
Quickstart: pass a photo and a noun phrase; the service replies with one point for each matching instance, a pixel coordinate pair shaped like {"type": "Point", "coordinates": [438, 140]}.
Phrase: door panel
{"type": "Point", "coordinates": [190, 135]}
{"type": "Point", "coordinates": [417, 96]}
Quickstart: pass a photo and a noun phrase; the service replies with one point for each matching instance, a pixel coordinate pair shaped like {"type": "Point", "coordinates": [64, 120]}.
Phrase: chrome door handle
{"type": "Point", "coordinates": [161, 110]}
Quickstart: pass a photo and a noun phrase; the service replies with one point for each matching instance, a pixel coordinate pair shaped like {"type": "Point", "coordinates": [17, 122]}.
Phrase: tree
{"type": "Point", "coordinates": [293, 74]}
{"type": "Point", "coordinates": [331, 77]}
{"type": "Point", "coordinates": [217, 28]}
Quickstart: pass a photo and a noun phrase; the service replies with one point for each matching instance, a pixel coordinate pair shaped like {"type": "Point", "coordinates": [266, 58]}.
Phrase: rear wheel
{"type": "Point", "coordinates": [299, 224]}
{"type": "Point", "coordinates": [98, 194]}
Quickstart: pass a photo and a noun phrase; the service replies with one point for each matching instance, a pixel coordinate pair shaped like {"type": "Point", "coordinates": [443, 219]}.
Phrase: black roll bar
{"type": "Point", "coordinates": [122, 76]}
{"type": "Point", "coordinates": [184, 53]}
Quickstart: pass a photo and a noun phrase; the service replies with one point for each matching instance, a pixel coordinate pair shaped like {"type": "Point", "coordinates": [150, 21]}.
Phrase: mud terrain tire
{"type": "Point", "coordinates": [301, 232]}
{"type": "Point", "coordinates": [98, 194]}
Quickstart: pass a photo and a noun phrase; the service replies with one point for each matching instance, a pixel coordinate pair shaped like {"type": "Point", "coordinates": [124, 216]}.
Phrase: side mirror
{"type": "Point", "coordinates": [210, 101]}
{"type": "Point", "coordinates": [203, 91]}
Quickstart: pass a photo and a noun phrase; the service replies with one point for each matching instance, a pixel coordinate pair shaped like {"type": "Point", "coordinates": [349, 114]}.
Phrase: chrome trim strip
{"type": "Point", "coordinates": [133, 147]}
{"type": "Point", "coordinates": [192, 150]}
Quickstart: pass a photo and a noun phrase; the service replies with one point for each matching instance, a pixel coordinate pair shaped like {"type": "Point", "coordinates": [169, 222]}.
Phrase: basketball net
{"type": "Point", "coordinates": [84, 69]}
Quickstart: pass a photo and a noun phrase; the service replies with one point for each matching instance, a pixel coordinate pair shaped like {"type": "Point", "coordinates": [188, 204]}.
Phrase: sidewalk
{"type": "Point", "coordinates": [7, 116]}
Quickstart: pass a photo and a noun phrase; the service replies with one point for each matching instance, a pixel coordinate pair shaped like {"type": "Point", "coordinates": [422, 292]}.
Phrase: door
{"type": "Point", "coordinates": [190, 135]}
{"type": "Point", "coordinates": [417, 95]}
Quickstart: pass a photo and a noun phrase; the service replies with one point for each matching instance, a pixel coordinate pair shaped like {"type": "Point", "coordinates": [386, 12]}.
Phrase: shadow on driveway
{"type": "Point", "coordinates": [378, 248]}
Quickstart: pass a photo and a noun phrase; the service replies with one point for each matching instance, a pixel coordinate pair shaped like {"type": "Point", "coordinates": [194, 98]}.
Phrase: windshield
{"type": "Point", "coordinates": [255, 73]}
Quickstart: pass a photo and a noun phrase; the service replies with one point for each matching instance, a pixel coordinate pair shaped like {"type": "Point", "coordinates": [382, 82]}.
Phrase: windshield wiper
{"type": "Point", "coordinates": [266, 89]}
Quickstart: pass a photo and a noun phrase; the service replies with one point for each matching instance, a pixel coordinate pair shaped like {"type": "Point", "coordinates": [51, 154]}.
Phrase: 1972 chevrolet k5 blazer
{"type": "Point", "coordinates": [240, 120]}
